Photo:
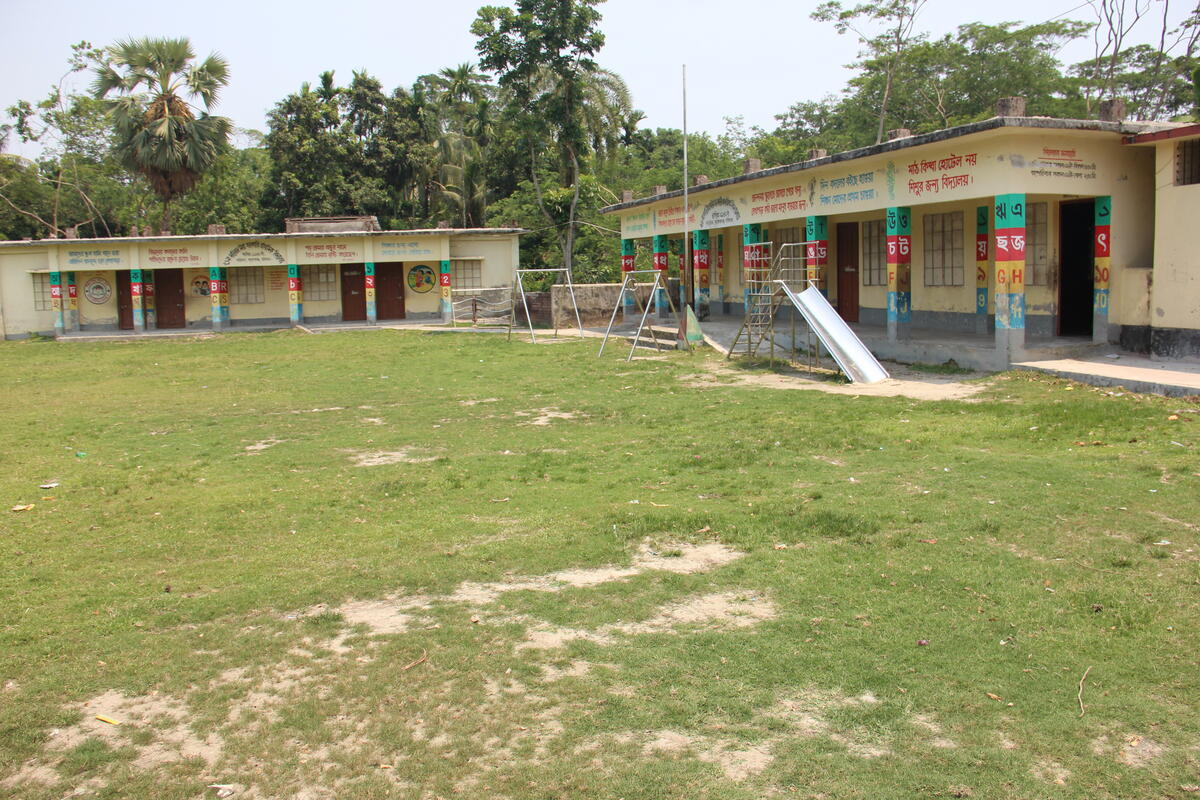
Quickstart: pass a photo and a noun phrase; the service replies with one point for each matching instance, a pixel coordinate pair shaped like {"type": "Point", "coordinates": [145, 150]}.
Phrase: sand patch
{"type": "Point", "coordinates": [373, 421]}
{"type": "Point", "coordinates": [576, 669]}
{"type": "Point", "coordinates": [1133, 750]}
{"type": "Point", "coordinates": [382, 616]}
{"type": "Point", "coordinates": [903, 383]}
{"type": "Point", "coordinates": [738, 763]}
{"type": "Point", "coordinates": [318, 410]}
{"type": "Point", "coordinates": [477, 402]}
{"type": "Point", "coordinates": [1051, 772]}
{"type": "Point", "coordinates": [379, 458]}
{"type": "Point", "coordinates": [544, 416]}
{"type": "Point", "coordinates": [717, 611]}
{"type": "Point", "coordinates": [258, 447]}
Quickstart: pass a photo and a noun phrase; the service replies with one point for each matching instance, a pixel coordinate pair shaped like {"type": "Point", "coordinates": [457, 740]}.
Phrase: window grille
{"type": "Point", "coordinates": [466, 274]}
{"type": "Point", "coordinates": [319, 282]}
{"type": "Point", "coordinates": [874, 252]}
{"type": "Point", "coordinates": [41, 292]}
{"type": "Point", "coordinates": [246, 285]}
{"type": "Point", "coordinates": [1037, 238]}
{"type": "Point", "coordinates": [944, 249]}
{"type": "Point", "coordinates": [1187, 163]}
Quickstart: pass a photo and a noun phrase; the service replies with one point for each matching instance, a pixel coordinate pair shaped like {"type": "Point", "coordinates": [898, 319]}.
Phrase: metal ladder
{"type": "Point", "coordinates": [762, 275]}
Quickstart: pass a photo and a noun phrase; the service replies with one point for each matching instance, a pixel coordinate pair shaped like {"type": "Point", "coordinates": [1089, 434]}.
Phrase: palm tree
{"type": "Point", "coordinates": [160, 134]}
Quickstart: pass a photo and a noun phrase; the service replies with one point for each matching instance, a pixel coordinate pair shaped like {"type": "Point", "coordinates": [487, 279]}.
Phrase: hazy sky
{"type": "Point", "coordinates": [751, 58]}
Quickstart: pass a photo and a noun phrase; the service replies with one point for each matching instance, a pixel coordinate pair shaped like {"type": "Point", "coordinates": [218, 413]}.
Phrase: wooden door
{"type": "Point", "coordinates": [389, 291]}
{"type": "Point", "coordinates": [168, 292]}
{"type": "Point", "coordinates": [124, 301]}
{"type": "Point", "coordinates": [354, 296]}
{"type": "Point", "coordinates": [847, 271]}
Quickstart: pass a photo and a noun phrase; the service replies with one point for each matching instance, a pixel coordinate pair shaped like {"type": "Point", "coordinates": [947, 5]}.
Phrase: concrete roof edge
{"type": "Point", "coordinates": [993, 123]}
{"type": "Point", "coordinates": [225, 237]}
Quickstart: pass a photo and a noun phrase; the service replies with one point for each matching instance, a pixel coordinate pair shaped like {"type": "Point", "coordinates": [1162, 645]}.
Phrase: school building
{"type": "Point", "coordinates": [320, 273]}
{"type": "Point", "coordinates": [983, 242]}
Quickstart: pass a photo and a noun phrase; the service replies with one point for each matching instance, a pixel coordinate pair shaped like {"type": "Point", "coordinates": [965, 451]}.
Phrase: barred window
{"type": "Point", "coordinates": [1037, 237]}
{"type": "Point", "coordinates": [874, 252]}
{"type": "Point", "coordinates": [246, 285]}
{"type": "Point", "coordinates": [944, 249]}
{"type": "Point", "coordinates": [41, 292]}
{"type": "Point", "coordinates": [319, 282]}
{"type": "Point", "coordinates": [466, 273]}
{"type": "Point", "coordinates": [1187, 163]}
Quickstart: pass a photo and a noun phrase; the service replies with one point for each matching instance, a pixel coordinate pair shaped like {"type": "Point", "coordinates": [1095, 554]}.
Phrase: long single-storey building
{"type": "Point", "coordinates": [1000, 235]}
{"type": "Point", "coordinates": [323, 274]}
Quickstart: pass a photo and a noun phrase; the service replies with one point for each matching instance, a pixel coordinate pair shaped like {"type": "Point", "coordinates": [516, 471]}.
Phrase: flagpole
{"type": "Point", "coordinates": [685, 277]}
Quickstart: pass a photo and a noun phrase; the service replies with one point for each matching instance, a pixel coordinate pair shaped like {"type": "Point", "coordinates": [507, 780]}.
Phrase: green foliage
{"type": "Point", "coordinates": [159, 134]}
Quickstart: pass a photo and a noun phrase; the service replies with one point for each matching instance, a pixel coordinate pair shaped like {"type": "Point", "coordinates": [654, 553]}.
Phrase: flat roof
{"type": "Point", "coordinates": [219, 237]}
{"type": "Point", "coordinates": [1130, 129]}
{"type": "Point", "coordinates": [1158, 136]}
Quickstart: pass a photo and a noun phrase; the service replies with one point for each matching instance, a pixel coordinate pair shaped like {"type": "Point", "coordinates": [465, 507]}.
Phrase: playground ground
{"type": "Point", "coordinates": [371, 564]}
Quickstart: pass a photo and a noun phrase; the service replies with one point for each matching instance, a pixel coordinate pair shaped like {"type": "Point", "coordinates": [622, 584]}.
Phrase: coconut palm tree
{"type": "Point", "coordinates": [161, 133]}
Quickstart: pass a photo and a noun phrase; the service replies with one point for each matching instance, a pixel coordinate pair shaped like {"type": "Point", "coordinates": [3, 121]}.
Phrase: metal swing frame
{"type": "Point", "coordinates": [630, 284]}
{"type": "Point", "coordinates": [519, 287]}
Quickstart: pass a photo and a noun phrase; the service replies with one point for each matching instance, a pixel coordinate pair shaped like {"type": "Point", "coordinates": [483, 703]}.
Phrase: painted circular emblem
{"type": "Point", "coordinates": [97, 290]}
{"type": "Point", "coordinates": [421, 279]}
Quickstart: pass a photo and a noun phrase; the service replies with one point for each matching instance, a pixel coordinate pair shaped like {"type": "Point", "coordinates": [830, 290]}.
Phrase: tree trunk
{"type": "Point", "coordinates": [165, 227]}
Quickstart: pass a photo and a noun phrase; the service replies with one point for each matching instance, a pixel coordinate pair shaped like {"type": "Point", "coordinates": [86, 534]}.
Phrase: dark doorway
{"type": "Point", "coordinates": [847, 270]}
{"type": "Point", "coordinates": [168, 288]}
{"type": "Point", "coordinates": [124, 301]}
{"type": "Point", "coordinates": [389, 291]}
{"type": "Point", "coordinates": [1075, 284]}
{"type": "Point", "coordinates": [354, 297]}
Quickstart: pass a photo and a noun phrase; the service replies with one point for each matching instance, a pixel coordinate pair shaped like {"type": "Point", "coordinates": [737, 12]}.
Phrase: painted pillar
{"type": "Point", "coordinates": [750, 234]}
{"type": "Point", "coordinates": [720, 287]}
{"type": "Point", "coordinates": [628, 260]}
{"type": "Point", "coordinates": [982, 307]}
{"type": "Point", "coordinates": [369, 293]}
{"type": "Point", "coordinates": [1103, 269]}
{"type": "Point", "coordinates": [218, 294]}
{"type": "Point", "coordinates": [899, 269]}
{"type": "Point", "coordinates": [662, 263]}
{"type": "Point", "coordinates": [1010, 276]}
{"type": "Point", "coordinates": [702, 259]}
{"type": "Point", "coordinates": [136, 294]}
{"type": "Point", "coordinates": [149, 299]}
{"type": "Point", "coordinates": [444, 281]}
{"type": "Point", "coordinates": [816, 252]}
{"type": "Point", "coordinates": [72, 302]}
{"type": "Point", "coordinates": [295, 295]}
{"type": "Point", "coordinates": [683, 277]}
{"type": "Point", "coordinates": [56, 302]}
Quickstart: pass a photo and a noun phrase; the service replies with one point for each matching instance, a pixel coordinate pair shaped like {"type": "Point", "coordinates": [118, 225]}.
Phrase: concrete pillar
{"type": "Point", "coordinates": [750, 234]}
{"type": "Point", "coordinates": [719, 289]}
{"type": "Point", "coordinates": [444, 281]}
{"type": "Point", "coordinates": [295, 295]}
{"type": "Point", "coordinates": [1010, 277]}
{"type": "Point", "coordinates": [982, 307]}
{"type": "Point", "coordinates": [369, 291]}
{"type": "Point", "coordinates": [56, 302]}
{"type": "Point", "coordinates": [899, 269]}
{"type": "Point", "coordinates": [72, 321]}
{"type": "Point", "coordinates": [816, 252]}
{"type": "Point", "coordinates": [628, 260]}
{"type": "Point", "coordinates": [218, 295]}
{"type": "Point", "coordinates": [1103, 269]}
{"type": "Point", "coordinates": [662, 263]}
{"type": "Point", "coordinates": [136, 294]}
{"type": "Point", "coordinates": [149, 299]}
{"type": "Point", "coordinates": [702, 259]}
{"type": "Point", "coordinates": [684, 278]}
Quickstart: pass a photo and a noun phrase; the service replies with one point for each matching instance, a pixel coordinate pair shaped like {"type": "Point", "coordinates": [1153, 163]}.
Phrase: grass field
{"type": "Point", "coordinates": [384, 564]}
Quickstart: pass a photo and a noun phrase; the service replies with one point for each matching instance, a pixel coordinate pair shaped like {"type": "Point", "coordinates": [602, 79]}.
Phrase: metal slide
{"type": "Point", "coordinates": [846, 348]}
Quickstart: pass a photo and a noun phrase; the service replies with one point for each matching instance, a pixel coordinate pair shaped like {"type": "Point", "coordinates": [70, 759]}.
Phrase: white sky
{"type": "Point", "coordinates": [752, 58]}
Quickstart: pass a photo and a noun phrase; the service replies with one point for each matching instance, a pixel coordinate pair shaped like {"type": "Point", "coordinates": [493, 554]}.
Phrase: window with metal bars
{"type": "Point", "coordinates": [874, 252]}
{"type": "Point", "coordinates": [319, 282]}
{"type": "Point", "coordinates": [944, 249]}
{"type": "Point", "coordinates": [1187, 163]}
{"type": "Point", "coordinates": [41, 292]}
{"type": "Point", "coordinates": [466, 274]}
{"type": "Point", "coordinates": [1037, 238]}
{"type": "Point", "coordinates": [246, 285]}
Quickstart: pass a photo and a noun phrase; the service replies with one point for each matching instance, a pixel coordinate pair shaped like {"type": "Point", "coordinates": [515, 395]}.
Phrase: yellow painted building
{"type": "Point", "coordinates": [58, 286]}
{"type": "Point", "coordinates": [1013, 232]}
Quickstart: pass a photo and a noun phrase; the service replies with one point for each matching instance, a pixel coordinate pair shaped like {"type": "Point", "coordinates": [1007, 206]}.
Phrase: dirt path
{"type": "Point", "coordinates": [905, 382]}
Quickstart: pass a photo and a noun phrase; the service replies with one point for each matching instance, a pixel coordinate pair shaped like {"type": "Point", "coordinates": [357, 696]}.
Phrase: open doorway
{"type": "Point", "coordinates": [1075, 285]}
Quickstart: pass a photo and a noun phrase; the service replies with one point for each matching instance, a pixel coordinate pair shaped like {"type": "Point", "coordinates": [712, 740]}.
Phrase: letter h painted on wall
{"type": "Point", "coordinates": [1010, 261]}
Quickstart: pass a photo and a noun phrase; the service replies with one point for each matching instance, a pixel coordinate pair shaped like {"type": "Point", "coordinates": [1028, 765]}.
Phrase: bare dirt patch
{"type": "Point", "coordinates": [1051, 772]}
{"type": "Point", "coordinates": [379, 458]}
{"type": "Point", "coordinates": [258, 447]}
{"type": "Point", "coordinates": [903, 383]}
{"type": "Point", "coordinates": [1133, 750]}
{"type": "Point", "coordinates": [545, 416]}
{"type": "Point", "coordinates": [738, 763]}
{"type": "Point", "coordinates": [477, 402]}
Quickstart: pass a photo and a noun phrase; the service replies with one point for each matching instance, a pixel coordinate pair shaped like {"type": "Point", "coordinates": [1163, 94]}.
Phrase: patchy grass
{"type": "Point", "coordinates": [374, 564]}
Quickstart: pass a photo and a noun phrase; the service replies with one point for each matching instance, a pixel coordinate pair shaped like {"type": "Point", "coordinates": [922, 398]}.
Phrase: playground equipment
{"type": "Point", "coordinates": [519, 289]}
{"type": "Point", "coordinates": [788, 278]}
{"type": "Point", "coordinates": [629, 286]}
